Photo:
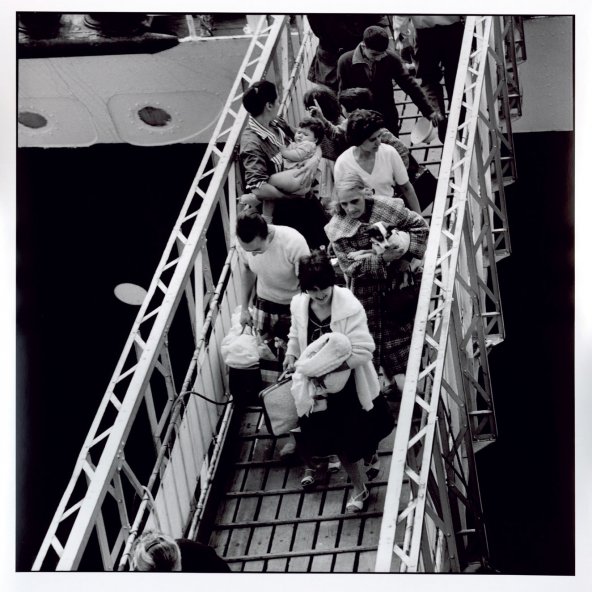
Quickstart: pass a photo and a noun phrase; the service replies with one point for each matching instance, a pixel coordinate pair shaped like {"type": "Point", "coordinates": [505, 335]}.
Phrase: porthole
{"type": "Point", "coordinates": [154, 116]}
{"type": "Point", "coordinates": [31, 120]}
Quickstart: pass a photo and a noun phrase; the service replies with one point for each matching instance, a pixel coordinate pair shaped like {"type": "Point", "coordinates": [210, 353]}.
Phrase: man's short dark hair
{"type": "Point", "coordinates": [315, 126]}
{"type": "Point", "coordinates": [251, 225]}
{"type": "Point", "coordinates": [376, 38]}
{"type": "Point", "coordinates": [258, 95]}
{"type": "Point", "coordinates": [356, 98]}
{"type": "Point", "coordinates": [361, 124]}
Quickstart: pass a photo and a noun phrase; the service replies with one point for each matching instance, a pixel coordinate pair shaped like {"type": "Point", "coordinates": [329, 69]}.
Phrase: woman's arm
{"type": "Point", "coordinates": [410, 197]}
{"type": "Point", "coordinates": [417, 228]}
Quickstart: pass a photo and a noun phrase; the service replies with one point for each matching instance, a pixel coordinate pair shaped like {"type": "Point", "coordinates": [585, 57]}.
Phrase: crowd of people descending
{"type": "Point", "coordinates": [331, 239]}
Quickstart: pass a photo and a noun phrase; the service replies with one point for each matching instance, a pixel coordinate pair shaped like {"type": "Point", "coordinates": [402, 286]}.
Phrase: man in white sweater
{"type": "Point", "coordinates": [269, 256]}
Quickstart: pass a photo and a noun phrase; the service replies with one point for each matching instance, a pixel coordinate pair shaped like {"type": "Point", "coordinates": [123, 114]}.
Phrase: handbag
{"type": "Point", "coordinates": [425, 187]}
{"type": "Point", "coordinates": [239, 348]}
{"type": "Point", "coordinates": [279, 409]}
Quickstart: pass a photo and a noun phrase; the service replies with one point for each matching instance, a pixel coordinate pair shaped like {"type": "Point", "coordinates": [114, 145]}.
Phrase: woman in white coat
{"type": "Point", "coordinates": [352, 421]}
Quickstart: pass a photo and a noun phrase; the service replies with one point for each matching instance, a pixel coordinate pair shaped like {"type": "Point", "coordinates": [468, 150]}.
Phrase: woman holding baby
{"type": "Point", "coordinates": [377, 277]}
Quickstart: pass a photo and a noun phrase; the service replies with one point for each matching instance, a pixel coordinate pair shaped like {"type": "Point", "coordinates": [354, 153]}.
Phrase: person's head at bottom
{"type": "Point", "coordinates": [154, 551]}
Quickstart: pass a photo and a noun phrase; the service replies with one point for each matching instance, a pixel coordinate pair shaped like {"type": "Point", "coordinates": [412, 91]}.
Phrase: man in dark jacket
{"type": "Point", "coordinates": [337, 33]}
{"type": "Point", "coordinates": [371, 65]}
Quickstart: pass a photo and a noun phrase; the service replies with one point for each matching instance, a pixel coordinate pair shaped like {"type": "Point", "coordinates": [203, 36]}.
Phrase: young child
{"type": "Point", "coordinates": [300, 162]}
{"type": "Point", "coordinates": [303, 151]}
{"type": "Point", "coordinates": [307, 138]}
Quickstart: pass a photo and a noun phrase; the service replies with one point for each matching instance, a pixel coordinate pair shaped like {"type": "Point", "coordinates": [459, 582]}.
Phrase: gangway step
{"type": "Point", "coordinates": [265, 520]}
{"type": "Point", "coordinates": [340, 516]}
{"type": "Point", "coordinates": [309, 555]}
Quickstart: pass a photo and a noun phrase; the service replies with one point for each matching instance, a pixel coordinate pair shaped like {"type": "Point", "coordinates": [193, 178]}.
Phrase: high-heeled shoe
{"type": "Point", "coordinates": [356, 502]}
{"type": "Point", "coordinates": [333, 464]}
{"type": "Point", "coordinates": [309, 478]}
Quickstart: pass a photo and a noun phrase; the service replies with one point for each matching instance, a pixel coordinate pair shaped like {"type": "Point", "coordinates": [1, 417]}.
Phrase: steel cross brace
{"type": "Point", "coordinates": [145, 342]}
{"type": "Point", "coordinates": [433, 319]}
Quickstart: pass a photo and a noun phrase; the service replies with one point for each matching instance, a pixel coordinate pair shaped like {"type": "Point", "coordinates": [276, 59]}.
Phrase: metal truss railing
{"type": "Point", "coordinates": [152, 447]}
{"type": "Point", "coordinates": [513, 33]}
{"type": "Point", "coordinates": [152, 450]}
{"type": "Point", "coordinates": [447, 408]}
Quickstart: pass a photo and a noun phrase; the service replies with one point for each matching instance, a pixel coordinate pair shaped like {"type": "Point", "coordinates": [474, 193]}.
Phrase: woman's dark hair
{"type": "Point", "coordinates": [258, 95]}
{"type": "Point", "coordinates": [315, 271]}
{"type": "Point", "coordinates": [315, 126]}
{"type": "Point", "coordinates": [327, 101]}
{"type": "Point", "coordinates": [376, 38]}
{"type": "Point", "coordinates": [250, 225]}
{"type": "Point", "coordinates": [356, 98]}
{"type": "Point", "coordinates": [361, 124]}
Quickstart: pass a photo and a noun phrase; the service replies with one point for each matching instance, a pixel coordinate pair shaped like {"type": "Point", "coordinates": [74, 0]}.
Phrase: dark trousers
{"type": "Point", "coordinates": [438, 49]}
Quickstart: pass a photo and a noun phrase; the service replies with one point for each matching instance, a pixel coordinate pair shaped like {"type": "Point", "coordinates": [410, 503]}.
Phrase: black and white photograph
{"type": "Point", "coordinates": [297, 293]}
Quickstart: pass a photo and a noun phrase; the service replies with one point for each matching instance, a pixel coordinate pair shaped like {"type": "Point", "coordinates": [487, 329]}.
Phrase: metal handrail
{"type": "Point", "coordinates": [447, 384]}
{"type": "Point", "coordinates": [79, 515]}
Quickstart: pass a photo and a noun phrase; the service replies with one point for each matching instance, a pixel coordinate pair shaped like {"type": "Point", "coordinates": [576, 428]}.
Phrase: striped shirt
{"type": "Point", "coordinates": [260, 151]}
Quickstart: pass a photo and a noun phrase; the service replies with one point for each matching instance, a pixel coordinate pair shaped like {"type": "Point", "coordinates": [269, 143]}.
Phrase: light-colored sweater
{"type": "Point", "coordinates": [277, 268]}
{"type": "Point", "coordinates": [388, 170]}
{"type": "Point", "coordinates": [349, 318]}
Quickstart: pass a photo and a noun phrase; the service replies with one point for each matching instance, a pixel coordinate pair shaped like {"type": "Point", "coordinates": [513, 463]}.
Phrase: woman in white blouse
{"type": "Point", "coordinates": [378, 165]}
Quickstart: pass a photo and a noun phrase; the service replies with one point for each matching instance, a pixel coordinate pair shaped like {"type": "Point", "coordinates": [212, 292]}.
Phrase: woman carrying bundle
{"type": "Point", "coordinates": [340, 407]}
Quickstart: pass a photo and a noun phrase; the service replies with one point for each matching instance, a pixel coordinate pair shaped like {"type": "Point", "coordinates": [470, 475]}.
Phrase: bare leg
{"type": "Point", "coordinates": [356, 473]}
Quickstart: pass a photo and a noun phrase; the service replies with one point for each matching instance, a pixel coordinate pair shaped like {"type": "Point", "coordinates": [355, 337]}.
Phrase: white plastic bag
{"type": "Point", "coordinates": [239, 348]}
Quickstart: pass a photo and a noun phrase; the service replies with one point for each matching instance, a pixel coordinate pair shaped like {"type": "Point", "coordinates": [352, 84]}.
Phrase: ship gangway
{"type": "Point", "coordinates": [168, 448]}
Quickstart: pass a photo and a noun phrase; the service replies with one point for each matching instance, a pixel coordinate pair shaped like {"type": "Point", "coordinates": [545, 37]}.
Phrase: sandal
{"type": "Point", "coordinates": [334, 464]}
{"type": "Point", "coordinates": [356, 502]}
{"type": "Point", "coordinates": [372, 467]}
{"type": "Point", "coordinates": [309, 478]}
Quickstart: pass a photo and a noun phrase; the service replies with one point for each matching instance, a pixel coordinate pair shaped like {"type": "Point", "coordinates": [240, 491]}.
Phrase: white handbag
{"type": "Point", "coordinates": [279, 409]}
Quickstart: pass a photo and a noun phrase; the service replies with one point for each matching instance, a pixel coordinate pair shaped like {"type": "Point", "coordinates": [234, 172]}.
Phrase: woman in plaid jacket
{"type": "Point", "coordinates": [373, 278]}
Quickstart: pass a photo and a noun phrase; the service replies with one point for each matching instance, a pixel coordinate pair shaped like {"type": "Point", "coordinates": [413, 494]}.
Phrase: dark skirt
{"type": "Point", "coordinates": [344, 428]}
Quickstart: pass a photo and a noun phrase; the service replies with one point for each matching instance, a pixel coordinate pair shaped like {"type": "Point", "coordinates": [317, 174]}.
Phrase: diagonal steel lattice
{"type": "Point", "coordinates": [101, 470]}
{"type": "Point", "coordinates": [447, 408]}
